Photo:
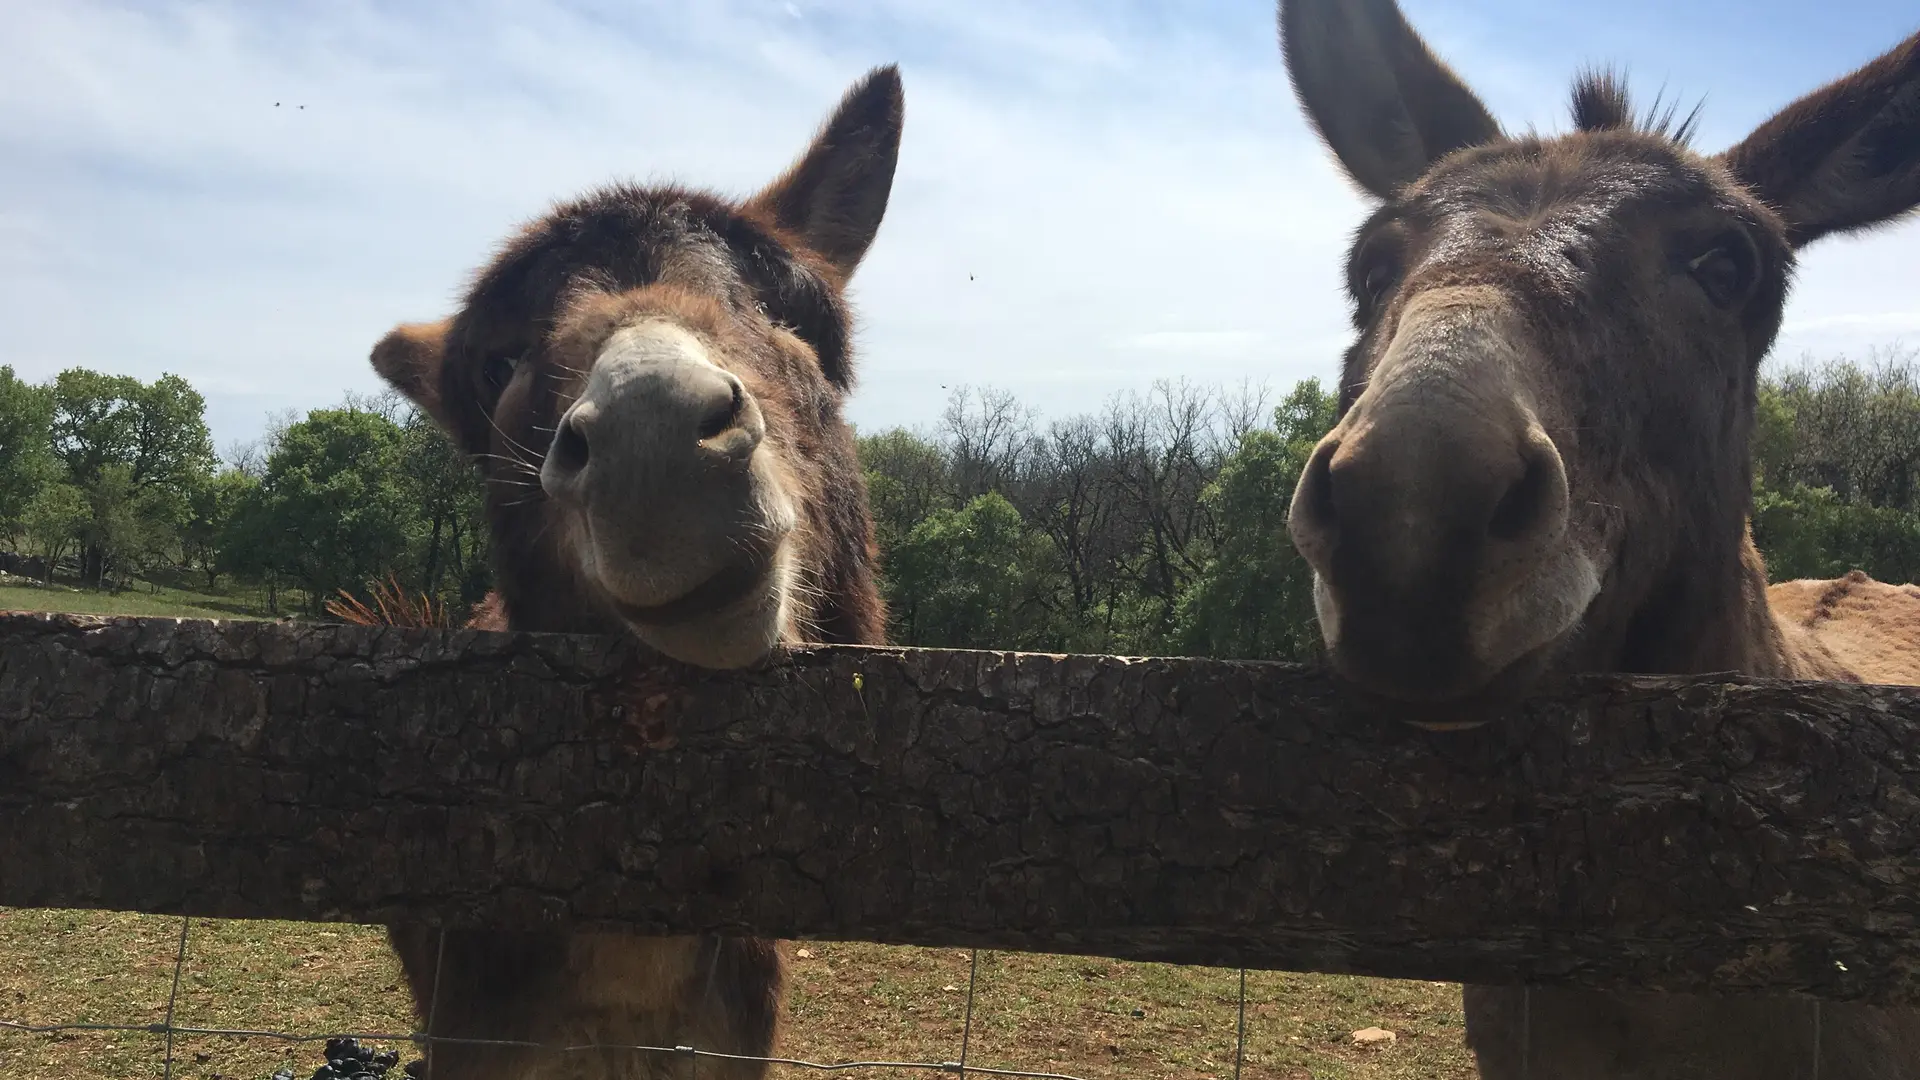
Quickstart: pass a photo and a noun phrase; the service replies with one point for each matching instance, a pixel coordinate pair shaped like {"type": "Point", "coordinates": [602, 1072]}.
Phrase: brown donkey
{"type": "Point", "coordinates": [1542, 463]}
{"type": "Point", "coordinates": [651, 381]}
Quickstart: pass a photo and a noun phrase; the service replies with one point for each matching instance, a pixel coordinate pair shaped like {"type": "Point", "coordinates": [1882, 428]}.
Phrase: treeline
{"type": "Point", "coordinates": [1152, 526]}
{"type": "Point", "coordinates": [1158, 524]}
{"type": "Point", "coordinates": [1837, 469]}
{"type": "Point", "coordinates": [107, 479]}
{"type": "Point", "coordinates": [1155, 524]}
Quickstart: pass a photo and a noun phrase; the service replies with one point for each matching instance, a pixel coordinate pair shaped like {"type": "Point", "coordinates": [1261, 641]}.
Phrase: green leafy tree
{"type": "Point", "coordinates": [1811, 532]}
{"type": "Point", "coordinates": [1836, 452]}
{"type": "Point", "coordinates": [448, 501]}
{"type": "Point", "coordinates": [117, 527]}
{"type": "Point", "coordinates": [211, 506]}
{"type": "Point", "coordinates": [55, 518]}
{"type": "Point", "coordinates": [136, 448]}
{"type": "Point", "coordinates": [1254, 597]}
{"type": "Point", "coordinates": [908, 478]}
{"type": "Point", "coordinates": [331, 511]}
{"type": "Point", "coordinates": [26, 457]}
{"type": "Point", "coordinates": [972, 578]}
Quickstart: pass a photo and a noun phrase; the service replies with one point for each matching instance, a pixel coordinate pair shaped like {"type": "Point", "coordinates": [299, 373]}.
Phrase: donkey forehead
{"type": "Point", "coordinates": [523, 294]}
{"type": "Point", "coordinates": [621, 253]}
{"type": "Point", "coordinates": [1599, 183]}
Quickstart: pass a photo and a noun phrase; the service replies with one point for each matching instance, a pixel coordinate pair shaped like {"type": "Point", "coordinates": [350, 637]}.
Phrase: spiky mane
{"type": "Point", "coordinates": [1601, 102]}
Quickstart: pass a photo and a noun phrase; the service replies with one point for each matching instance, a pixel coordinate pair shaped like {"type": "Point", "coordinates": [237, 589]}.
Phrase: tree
{"type": "Point", "coordinates": [984, 442]}
{"type": "Point", "coordinates": [331, 511]}
{"type": "Point", "coordinates": [1836, 460]}
{"type": "Point", "coordinates": [211, 507]}
{"type": "Point", "coordinates": [26, 457]}
{"type": "Point", "coordinates": [1163, 451]}
{"type": "Point", "coordinates": [153, 436]}
{"type": "Point", "coordinates": [447, 497]}
{"type": "Point", "coordinates": [1254, 598]}
{"type": "Point", "coordinates": [1812, 532]}
{"type": "Point", "coordinates": [55, 517]}
{"type": "Point", "coordinates": [128, 526]}
{"type": "Point", "coordinates": [1856, 428]}
{"type": "Point", "coordinates": [972, 578]}
{"type": "Point", "coordinates": [908, 478]}
{"type": "Point", "coordinates": [1070, 492]}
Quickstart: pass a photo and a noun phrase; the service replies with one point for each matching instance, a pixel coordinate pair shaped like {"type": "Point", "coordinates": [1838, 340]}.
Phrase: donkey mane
{"type": "Point", "coordinates": [1602, 102]}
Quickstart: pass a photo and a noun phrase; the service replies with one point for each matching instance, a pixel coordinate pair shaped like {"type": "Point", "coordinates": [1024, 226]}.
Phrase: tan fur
{"type": "Point", "coordinates": [1869, 627]}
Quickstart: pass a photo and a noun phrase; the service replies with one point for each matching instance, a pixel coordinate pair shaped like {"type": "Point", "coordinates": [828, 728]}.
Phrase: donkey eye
{"type": "Point", "coordinates": [499, 371]}
{"type": "Point", "coordinates": [1724, 271]}
{"type": "Point", "coordinates": [1377, 278]}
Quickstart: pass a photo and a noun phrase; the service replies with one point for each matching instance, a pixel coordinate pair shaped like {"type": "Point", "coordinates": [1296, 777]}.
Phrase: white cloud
{"type": "Point", "coordinates": [167, 215]}
{"type": "Point", "coordinates": [1090, 196]}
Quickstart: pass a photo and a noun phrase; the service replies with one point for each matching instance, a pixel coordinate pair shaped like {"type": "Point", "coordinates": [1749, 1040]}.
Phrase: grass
{"type": "Point", "coordinates": [176, 597]}
{"type": "Point", "coordinates": [1086, 1017]}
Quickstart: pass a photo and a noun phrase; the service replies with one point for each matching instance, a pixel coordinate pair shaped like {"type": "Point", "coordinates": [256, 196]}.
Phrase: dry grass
{"type": "Point", "coordinates": [1089, 1018]}
{"type": "Point", "coordinates": [1092, 1018]}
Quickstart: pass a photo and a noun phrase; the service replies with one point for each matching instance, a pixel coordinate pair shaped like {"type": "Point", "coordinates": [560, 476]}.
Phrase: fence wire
{"type": "Point", "coordinates": [425, 1039]}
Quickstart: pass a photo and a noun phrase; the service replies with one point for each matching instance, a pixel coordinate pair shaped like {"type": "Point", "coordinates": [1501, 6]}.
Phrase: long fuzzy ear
{"type": "Point", "coordinates": [409, 358]}
{"type": "Point", "coordinates": [1383, 102]}
{"type": "Point", "coordinates": [834, 197]}
{"type": "Point", "coordinates": [1844, 157]}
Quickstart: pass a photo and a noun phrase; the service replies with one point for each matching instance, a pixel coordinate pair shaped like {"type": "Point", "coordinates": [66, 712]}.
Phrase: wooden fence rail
{"type": "Point", "coordinates": [1677, 834]}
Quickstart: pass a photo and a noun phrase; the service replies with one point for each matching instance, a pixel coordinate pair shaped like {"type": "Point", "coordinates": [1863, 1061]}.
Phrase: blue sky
{"type": "Point", "coordinates": [1128, 184]}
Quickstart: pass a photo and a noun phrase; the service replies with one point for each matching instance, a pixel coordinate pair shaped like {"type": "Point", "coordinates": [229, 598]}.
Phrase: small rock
{"type": "Point", "coordinates": [1373, 1036]}
{"type": "Point", "coordinates": [950, 988]}
{"type": "Point", "coordinates": [803, 954]}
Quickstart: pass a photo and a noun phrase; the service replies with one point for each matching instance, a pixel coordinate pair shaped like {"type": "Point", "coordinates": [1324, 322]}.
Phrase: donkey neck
{"type": "Point", "coordinates": [1713, 616]}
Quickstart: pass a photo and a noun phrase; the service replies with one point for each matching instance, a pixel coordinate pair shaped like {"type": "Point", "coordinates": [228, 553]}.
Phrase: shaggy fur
{"type": "Point", "coordinates": [760, 285]}
{"type": "Point", "coordinates": [1870, 626]}
{"type": "Point", "coordinates": [1612, 291]}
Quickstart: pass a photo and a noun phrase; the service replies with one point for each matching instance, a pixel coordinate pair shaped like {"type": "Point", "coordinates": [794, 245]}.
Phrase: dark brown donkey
{"type": "Point", "coordinates": [1542, 463]}
{"type": "Point", "coordinates": [651, 380]}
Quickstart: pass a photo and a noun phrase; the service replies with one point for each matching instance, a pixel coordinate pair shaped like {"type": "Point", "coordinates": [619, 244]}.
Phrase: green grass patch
{"type": "Point", "coordinates": [142, 598]}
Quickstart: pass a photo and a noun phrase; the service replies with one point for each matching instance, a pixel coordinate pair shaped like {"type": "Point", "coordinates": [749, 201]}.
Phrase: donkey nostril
{"type": "Point", "coordinates": [1319, 481]}
{"type": "Point", "coordinates": [569, 453]}
{"type": "Point", "coordinates": [726, 415]}
{"type": "Point", "coordinates": [1524, 503]}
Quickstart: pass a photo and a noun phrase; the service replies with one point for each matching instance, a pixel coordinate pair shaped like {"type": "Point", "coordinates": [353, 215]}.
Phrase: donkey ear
{"type": "Point", "coordinates": [409, 358]}
{"type": "Point", "coordinates": [1384, 103]}
{"type": "Point", "coordinates": [836, 194]}
{"type": "Point", "coordinates": [1846, 156]}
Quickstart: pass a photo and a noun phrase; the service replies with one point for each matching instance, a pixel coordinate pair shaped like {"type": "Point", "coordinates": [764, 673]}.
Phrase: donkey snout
{"type": "Point", "coordinates": [656, 412]}
{"type": "Point", "coordinates": [1432, 528]}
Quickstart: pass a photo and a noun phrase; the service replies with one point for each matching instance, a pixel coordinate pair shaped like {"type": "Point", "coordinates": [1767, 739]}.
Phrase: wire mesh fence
{"type": "Point", "coordinates": [248, 1001]}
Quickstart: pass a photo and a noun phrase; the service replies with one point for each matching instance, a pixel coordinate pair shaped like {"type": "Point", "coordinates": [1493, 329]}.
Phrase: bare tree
{"type": "Point", "coordinates": [987, 432]}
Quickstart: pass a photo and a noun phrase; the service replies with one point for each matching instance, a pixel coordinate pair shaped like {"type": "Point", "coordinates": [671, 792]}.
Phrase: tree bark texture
{"type": "Point", "coordinates": [1667, 833]}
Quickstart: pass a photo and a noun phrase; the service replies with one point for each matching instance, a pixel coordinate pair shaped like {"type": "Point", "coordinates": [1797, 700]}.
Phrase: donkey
{"type": "Point", "coordinates": [1542, 463]}
{"type": "Point", "coordinates": [650, 380]}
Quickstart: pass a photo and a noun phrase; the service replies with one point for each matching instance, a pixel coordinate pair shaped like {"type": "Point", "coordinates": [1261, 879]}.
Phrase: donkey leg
{"type": "Point", "coordinates": [1567, 1034]}
{"type": "Point", "coordinates": [486, 986]}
